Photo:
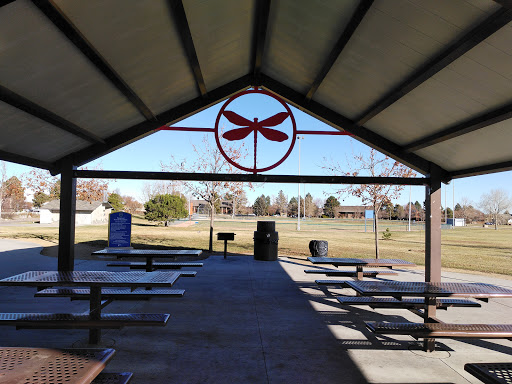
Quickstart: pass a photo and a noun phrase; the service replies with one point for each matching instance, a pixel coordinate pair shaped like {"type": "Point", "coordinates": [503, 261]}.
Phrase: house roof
{"type": "Point", "coordinates": [352, 208]}
{"type": "Point", "coordinates": [81, 205]}
{"type": "Point", "coordinates": [427, 82]}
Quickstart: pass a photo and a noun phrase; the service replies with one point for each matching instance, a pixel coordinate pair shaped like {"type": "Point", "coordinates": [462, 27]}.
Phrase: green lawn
{"type": "Point", "coordinates": [470, 248]}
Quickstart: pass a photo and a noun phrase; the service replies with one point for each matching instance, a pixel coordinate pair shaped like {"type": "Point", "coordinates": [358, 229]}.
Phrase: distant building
{"type": "Point", "coordinates": [95, 212]}
{"type": "Point", "coordinates": [459, 222]}
{"type": "Point", "coordinates": [201, 207]}
{"type": "Point", "coordinates": [351, 212]}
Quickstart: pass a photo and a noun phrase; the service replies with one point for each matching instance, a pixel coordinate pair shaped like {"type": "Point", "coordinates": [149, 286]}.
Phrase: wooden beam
{"type": "Point", "coordinates": [25, 160]}
{"type": "Point", "coordinates": [482, 170]}
{"type": "Point", "coordinates": [351, 27]}
{"type": "Point", "coordinates": [260, 35]}
{"type": "Point", "coordinates": [471, 39]}
{"type": "Point", "coordinates": [339, 121]}
{"type": "Point", "coordinates": [36, 110]}
{"type": "Point", "coordinates": [61, 21]}
{"type": "Point", "coordinates": [249, 177]}
{"type": "Point", "coordinates": [481, 121]}
{"type": "Point", "coordinates": [169, 117]}
{"type": "Point", "coordinates": [180, 18]}
{"type": "Point", "coordinates": [5, 2]}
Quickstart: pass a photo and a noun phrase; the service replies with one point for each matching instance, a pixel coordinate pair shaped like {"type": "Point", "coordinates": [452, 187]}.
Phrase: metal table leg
{"type": "Point", "coordinates": [95, 314]}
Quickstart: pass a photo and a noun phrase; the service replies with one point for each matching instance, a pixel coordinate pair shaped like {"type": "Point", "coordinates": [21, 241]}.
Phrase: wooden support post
{"type": "Point", "coordinates": [66, 255]}
{"type": "Point", "coordinates": [432, 244]}
{"type": "Point", "coordinates": [433, 229]}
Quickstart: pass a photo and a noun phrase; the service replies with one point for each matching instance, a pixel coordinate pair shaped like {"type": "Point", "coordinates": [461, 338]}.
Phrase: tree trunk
{"type": "Point", "coordinates": [212, 212]}
{"type": "Point", "coordinates": [376, 226]}
{"type": "Point", "coordinates": [496, 222]}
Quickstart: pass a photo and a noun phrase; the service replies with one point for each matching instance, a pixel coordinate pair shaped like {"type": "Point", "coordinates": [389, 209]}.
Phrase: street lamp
{"type": "Point", "coordinates": [299, 138]}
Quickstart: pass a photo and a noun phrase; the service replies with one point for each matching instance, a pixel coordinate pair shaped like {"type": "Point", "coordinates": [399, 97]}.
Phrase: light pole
{"type": "Point", "coordinates": [299, 138]}
{"type": "Point", "coordinates": [410, 189]}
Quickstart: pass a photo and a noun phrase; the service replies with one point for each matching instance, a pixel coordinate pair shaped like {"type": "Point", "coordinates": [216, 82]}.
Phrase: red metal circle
{"type": "Point", "coordinates": [292, 118]}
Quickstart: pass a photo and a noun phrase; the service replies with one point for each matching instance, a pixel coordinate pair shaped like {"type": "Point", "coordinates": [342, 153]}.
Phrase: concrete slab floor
{"type": "Point", "coordinates": [248, 321]}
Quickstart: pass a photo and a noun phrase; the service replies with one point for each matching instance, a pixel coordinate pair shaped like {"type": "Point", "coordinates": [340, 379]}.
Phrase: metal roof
{"type": "Point", "coordinates": [426, 82]}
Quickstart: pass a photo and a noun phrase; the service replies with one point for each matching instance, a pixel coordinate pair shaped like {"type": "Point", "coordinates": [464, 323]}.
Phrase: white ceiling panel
{"type": "Point", "coordinates": [41, 64]}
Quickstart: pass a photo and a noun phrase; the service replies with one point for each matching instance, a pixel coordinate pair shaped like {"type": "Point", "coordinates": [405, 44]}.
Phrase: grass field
{"type": "Point", "coordinates": [468, 248]}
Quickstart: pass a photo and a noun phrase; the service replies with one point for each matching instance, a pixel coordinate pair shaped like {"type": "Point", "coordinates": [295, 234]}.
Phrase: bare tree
{"type": "Point", "coordinates": [372, 194]}
{"type": "Point", "coordinates": [3, 179]}
{"type": "Point", "coordinates": [494, 203]}
{"type": "Point", "coordinates": [209, 160]}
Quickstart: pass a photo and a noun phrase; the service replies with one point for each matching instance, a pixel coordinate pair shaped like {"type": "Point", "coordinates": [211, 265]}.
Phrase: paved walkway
{"type": "Point", "coordinates": [246, 321]}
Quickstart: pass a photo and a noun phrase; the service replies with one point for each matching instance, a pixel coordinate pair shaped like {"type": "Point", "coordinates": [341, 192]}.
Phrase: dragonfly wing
{"type": "Point", "coordinates": [236, 118]}
{"type": "Point", "coordinates": [237, 134]}
{"type": "Point", "coordinates": [272, 134]}
{"type": "Point", "coordinates": [274, 120]}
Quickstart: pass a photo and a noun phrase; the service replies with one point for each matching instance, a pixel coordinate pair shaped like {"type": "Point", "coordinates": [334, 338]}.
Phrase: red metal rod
{"type": "Point", "coordinates": [192, 129]}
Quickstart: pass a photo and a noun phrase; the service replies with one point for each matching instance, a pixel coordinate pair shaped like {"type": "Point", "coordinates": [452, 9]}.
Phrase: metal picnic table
{"type": "Point", "coordinates": [94, 280]}
{"type": "Point", "coordinates": [45, 365]}
{"type": "Point", "coordinates": [148, 254]}
{"type": "Point", "coordinates": [360, 264]}
{"type": "Point", "coordinates": [432, 326]}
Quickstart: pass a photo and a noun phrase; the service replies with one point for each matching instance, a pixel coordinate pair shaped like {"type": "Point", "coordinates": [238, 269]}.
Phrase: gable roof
{"type": "Point", "coordinates": [428, 83]}
{"type": "Point", "coordinates": [81, 205]}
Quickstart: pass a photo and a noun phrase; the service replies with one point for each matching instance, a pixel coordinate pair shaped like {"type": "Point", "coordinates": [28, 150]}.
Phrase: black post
{"type": "Point", "coordinates": [432, 246]}
{"type": "Point", "coordinates": [66, 256]}
{"type": "Point", "coordinates": [225, 247]}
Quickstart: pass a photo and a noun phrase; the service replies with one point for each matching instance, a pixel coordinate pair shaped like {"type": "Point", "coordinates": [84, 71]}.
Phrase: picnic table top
{"type": "Point", "coordinates": [42, 365]}
{"type": "Point", "coordinates": [357, 261]}
{"type": "Point", "coordinates": [149, 252]}
{"type": "Point", "coordinates": [92, 279]}
{"type": "Point", "coordinates": [399, 288]}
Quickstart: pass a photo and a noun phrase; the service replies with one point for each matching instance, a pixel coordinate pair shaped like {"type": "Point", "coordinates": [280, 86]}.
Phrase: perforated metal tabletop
{"type": "Point", "coordinates": [398, 288]}
{"type": "Point", "coordinates": [92, 279]}
{"type": "Point", "coordinates": [364, 262]}
{"type": "Point", "coordinates": [55, 366]}
{"type": "Point", "coordinates": [491, 373]}
{"type": "Point", "coordinates": [155, 253]}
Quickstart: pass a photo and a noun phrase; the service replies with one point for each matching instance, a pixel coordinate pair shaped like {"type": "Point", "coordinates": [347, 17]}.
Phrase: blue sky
{"type": "Point", "coordinates": [147, 155]}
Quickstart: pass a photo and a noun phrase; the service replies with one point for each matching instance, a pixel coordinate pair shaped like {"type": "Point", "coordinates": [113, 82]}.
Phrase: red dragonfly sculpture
{"type": "Point", "coordinates": [255, 126]}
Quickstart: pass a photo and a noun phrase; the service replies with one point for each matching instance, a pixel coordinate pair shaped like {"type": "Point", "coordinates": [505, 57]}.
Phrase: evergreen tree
{"type": "Point", "coordinates": [166, 207]}
{"type": "Point", "coordinates": [330, 206]}
{"type": "Point", "coordinates": [116, 202]}
{"type": "Point", "coordinates": [292, 207]}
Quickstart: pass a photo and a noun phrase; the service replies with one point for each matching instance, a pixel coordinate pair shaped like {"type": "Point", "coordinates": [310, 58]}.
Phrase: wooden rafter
{"type": "Point", "coordinates": [260, 35]}
{"type": "Point", "coordinates": [339, 121]}
{"type": "Point", "coordinates": [481, 121]}
{"type": "Point", "coordinates": [349, 30]}
{"type": "Point", "coordinates": [180, 18]}
{"type": "Point", "coordinates": [41, 113]}
{"type": "Point", "coordinates": [171, 116]}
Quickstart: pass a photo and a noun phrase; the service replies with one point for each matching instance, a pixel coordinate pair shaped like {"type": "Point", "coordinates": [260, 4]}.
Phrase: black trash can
{"type": "Point", "coordinates": [265, 241]}
{"type": "Point", "coordinates": [318, 248]}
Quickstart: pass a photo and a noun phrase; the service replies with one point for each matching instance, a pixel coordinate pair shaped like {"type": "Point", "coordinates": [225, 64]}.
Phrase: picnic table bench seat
{"type": "Point", "coordinates": [110, 293]}
{"type": "Point", "coordinates": [81, 320]}
{"type": "Point", "coordinates": [337, 272]}
{"type": "Point", "coordinates": [389, 302]}
{"type": "Point", "coordinates": [113, 378]}
{"type": "Point", "coordinates": [491, 373]}
{"type": "Point", "coordinates": [155, 265]}
{"type": "Point", "coordinates": [341, 283]}
{"type": "Point", "coordinates": [442, 330]}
